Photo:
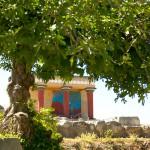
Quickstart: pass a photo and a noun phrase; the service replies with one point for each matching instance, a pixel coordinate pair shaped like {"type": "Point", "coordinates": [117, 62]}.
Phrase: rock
{"type": "Point", "coordinates": [117, 129]}
{"type": "Point", "coordinates": [80, 119]}
{"type": "Point", "coordinates": [62, 118]}
{"type": "Point", "coordinates": [85, 116]}
{"type": "Point", "coordinates": [67, 124]}
{"type": "Point", "coordinates": [17, 123]}
{"type": "Point", "coordinates": [10, 144]}
{"type": "Point", "coordinates": [71, 129]}
{"type": "Point", "coordinates": [66, 129]}
{"type": "Point", "coordinates": [147, 132]}
{"type": "Point", "coordinates": [22, 120]}
{"type": "Point", "coordinates": [135, 131]}
{"type": "Point", "coordinates": [115, 123]}
{"type": "Point", "coordinates": [129, 121]}
{"type": "Point", "coordinates": [92, 128]}
{"type": "Point", "coordinates": [81, 128]}
{"type": "Point", "coordinates": [100, 128]}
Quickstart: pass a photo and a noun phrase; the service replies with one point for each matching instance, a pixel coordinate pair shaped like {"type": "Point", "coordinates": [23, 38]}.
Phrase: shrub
{"type": "Point", "coordinates": [108, 133]}
{"type": "Point", "coordinates": [44, 130]}
{"type": "Point", "coordinates": [1, 117]}
{"type": "Point", "coordinates": [6, 135]}
{"type": "Point", "coordinates": [45, 136]}
{"type": "Point", "coordinates": [88, 136]}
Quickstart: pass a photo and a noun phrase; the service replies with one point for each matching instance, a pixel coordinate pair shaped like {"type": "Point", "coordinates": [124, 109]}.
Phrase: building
{"type": "Point", "coordinates": [72, 99]}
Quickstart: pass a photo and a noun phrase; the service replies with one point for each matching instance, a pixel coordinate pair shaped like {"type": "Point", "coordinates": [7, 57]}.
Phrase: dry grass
{"type": "Point", "coordinates": [84, 143]}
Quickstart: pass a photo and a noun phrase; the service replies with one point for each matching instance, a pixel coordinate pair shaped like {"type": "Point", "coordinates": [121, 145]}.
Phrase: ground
{"type": "Point", "coordinates": [106, 144]}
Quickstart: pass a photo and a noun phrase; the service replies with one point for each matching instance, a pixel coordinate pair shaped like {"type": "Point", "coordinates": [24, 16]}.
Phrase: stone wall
{"type": "Point", "coordinates": [71, 129]}
{"type": "Point", "coordinates": [10, 144]}
{"type": "Point", "coordinates": [129, 121]}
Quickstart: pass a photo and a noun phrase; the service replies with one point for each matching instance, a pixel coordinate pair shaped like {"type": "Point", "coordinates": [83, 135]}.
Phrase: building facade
{"type": "Point", "coordinates": [72, 99]}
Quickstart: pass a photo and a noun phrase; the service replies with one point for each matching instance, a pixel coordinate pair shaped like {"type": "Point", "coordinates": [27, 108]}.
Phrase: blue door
{"type": "Point", "coordinates": [75, 104]}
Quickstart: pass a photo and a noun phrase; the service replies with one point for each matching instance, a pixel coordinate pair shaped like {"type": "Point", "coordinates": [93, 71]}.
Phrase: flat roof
{"type": "Point", "coordinates": [79, 83]}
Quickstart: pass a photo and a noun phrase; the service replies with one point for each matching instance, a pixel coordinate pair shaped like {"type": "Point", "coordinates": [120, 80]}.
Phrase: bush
{"type": "Point", "coordinates": [108, 133]}
{"type": "Point", "coordinates": [1, 117]}
{"type": "Point", "coordinates": [45, 136]}
{"type": "Point", "coordinates": [6, 135]}
{"type": "Point", "coordinates": [88, 136]}
{"type": "Point", "coordinates": [44, 130]}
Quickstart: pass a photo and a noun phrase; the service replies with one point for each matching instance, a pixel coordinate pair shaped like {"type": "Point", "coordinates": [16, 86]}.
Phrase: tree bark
{"type": "Point", "coordinates": [16, 116]}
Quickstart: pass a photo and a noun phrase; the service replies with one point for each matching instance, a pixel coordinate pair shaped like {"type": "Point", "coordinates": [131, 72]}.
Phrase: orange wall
{"type": "Point", "coordinates": [34, 97]}
{"type": "Point", "coordinates": [48, 95]}
{"type": "Point", "coordinates": [84, 104]}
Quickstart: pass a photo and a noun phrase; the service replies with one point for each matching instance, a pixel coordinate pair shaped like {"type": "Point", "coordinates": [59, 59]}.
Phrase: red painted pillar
{"type": "Point", "coordinates": [66, 103]}
{"type": "Point", "coordinates": [90, 104]}
{"type": "Point", "coordinates": [41, 98]}
{"type": "Point", "coordinates": [66, 90]}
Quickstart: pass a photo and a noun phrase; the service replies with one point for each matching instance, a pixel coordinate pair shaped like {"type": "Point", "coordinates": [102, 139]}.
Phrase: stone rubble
{"type": "Point", "coordinates": [71, 128]}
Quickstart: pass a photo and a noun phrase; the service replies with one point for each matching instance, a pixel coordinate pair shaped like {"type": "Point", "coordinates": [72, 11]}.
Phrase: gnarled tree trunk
{"type": "Point", "coordinates": [16, 116]}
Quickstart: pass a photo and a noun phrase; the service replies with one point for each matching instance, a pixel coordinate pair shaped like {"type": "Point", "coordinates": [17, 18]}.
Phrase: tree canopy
{"type": "Point", "coordinates": [107, 39]}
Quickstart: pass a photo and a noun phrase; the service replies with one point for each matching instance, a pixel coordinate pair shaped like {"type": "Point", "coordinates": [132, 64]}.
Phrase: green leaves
{"type": "Point", "coordinates": [106, 39]}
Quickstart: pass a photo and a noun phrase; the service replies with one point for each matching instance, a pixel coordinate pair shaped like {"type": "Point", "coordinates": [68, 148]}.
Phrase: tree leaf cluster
{"type": "Point", "coordinates": [107, 39]}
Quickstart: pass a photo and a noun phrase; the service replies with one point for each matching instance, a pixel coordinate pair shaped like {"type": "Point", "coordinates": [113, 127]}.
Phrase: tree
{"type": "Point", "coordinates": [107, 39]}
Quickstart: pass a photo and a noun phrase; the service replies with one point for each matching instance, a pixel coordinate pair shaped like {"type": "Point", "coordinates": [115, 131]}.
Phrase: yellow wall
{"type": "Point", "coordinates": [34, 96]}
{"type": "Point", "coordinates": [84, 104]}
{"type": "Point", "coordinates": [48, 95]}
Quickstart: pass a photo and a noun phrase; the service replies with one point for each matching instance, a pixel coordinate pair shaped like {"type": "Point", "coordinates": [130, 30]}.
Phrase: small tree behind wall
{"type": "Point", "coordinates": [48, 38]}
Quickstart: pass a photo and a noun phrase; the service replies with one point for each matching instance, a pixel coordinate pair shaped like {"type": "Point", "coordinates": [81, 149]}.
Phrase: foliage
{"type": "Point", "coordinates": [45, 134]}
{"type": "Point", "coordinates": [133, 136]}
{"type": "Point", "coordinates": [108, 133]}
{"type": "Point", "coordinates": [6, 135]}
{"type": "Point", "coordinates": [44, 128]}
{"type": "Point", "coordinates": [3, 136]}
{"type": "Point", "coordinates": [110, 40]}
{"type": "Point", "coordinates": [88, 136]}
{"type": "Point", "coordinates": [1, 117]}
{"type": "Point", "coordinates": [107, 144]}
{"type": "Point", "coordinates": [47, 119]}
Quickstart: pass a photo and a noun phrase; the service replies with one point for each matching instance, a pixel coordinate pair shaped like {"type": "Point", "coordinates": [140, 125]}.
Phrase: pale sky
{"type": "Point", "coordinates": [104, 106]}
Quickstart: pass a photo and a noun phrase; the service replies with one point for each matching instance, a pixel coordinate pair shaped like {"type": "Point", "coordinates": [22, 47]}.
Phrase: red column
{"type": "Point", "coordinates": [90, 104]}
{"type": "Point", "coordinates": [41, 97]}
{"type": "Point", "coordinates": [66, 103]}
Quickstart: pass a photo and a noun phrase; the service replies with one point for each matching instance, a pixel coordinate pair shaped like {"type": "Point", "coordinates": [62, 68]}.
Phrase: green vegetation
{"type": "Point", "coordinates": [107, 143]}
{"type": "Point", "coordinates": [88, 136]}
{"type": "Point", "coordinates": [3, 136]}
{"type": "Point", "coordinates": [45, 135]}
{"type": "Point", "coordinates": [1, 117]}
{"type": "Point", "coordinates": [107, 39]}
{"type": "Point", "coordinates": [44, 130]}
{"type": "Point", "coordinates": [108, 133]}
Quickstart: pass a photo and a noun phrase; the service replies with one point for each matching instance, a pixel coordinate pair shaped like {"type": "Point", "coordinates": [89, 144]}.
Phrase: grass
{"type": "Point", "coordinates": [89, 141]}
{"type": "Point", "coordinates": [88, 137]}
{"type": "Point", "coordinates": [3, 136]}
{"type": "Point", "coordinates": [107, 140]}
